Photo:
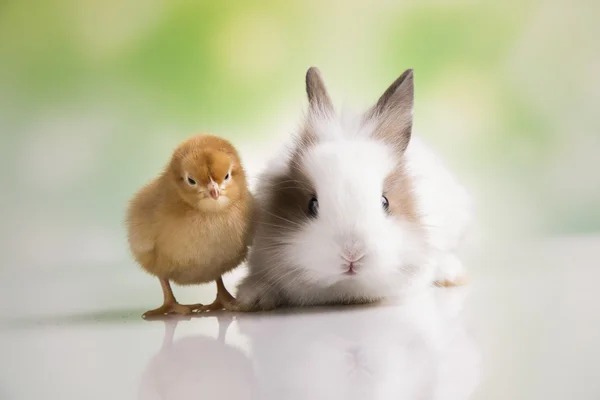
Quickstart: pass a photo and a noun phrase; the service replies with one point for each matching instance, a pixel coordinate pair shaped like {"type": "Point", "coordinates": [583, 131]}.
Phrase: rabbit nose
{"type": "Point", "coordinates": [352, 257]}
{"type": "Point", "coordinates": [353, 250]}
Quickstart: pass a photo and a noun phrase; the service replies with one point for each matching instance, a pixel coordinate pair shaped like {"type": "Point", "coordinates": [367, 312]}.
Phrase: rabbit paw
{"type": "Point", "coordinates": [256, 296]}
{"type": "Point", "coordinates": [450, 271]}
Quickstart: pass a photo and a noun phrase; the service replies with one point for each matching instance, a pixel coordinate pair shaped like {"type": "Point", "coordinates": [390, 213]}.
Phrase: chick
{"type": "Point", "coordinates": [193, 223]}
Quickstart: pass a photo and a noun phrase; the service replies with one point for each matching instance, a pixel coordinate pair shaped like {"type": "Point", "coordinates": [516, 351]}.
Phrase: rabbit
{"type": "Point", "coordinates": [356, 210]}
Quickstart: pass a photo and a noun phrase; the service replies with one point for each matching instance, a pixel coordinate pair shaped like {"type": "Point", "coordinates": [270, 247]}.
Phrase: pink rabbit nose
{"type": "Point", "coordinates": [352, 257]}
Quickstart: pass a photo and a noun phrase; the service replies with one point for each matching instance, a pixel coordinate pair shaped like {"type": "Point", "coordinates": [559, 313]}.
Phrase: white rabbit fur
{"type": "Point", "coordinates": [348, 162]}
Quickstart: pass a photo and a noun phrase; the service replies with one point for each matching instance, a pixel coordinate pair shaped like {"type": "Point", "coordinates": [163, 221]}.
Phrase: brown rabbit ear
{"type": "Point", "coordinates": [393, 112]}
{"type": "Point", "coordinates": [318, 97]}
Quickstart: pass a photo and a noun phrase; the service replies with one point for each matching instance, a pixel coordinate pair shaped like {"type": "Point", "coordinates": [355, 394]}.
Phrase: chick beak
{"type": "Point", "coordinates": [214, 192]}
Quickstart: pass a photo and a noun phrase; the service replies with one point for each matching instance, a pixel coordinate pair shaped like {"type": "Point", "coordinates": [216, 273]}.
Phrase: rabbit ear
{"type": "Point", "coordinates": [393, 112]}
{"type": "Point", "coordinates": [318, 97]}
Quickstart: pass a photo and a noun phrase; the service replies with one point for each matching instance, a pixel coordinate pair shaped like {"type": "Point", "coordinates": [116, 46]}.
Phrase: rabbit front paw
{"type": "Point", "coordinates": [450, 271]}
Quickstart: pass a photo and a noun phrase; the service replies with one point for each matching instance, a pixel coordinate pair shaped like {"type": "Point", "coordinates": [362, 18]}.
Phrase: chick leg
{"type": "Point", "coordinates": [170, 304]}
{"type": "Point", "coordinates": [224, 300]}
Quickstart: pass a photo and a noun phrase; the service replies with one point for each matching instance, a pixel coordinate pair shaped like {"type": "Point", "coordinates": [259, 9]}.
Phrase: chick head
{"type": "Point", "coordinates": [208, 179]}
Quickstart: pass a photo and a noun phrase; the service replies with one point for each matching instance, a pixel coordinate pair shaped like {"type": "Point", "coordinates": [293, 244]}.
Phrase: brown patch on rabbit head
{"type": "Point", "coordinates": [392, 117]}
{"type": "Point", "coordinates": [291, 193]}
{"type": "Point", "coordinates": [398, 189]}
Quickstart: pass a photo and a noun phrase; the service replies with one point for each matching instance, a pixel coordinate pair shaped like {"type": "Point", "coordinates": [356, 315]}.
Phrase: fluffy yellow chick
{"type": "Point", "coordinates": [193, 223]}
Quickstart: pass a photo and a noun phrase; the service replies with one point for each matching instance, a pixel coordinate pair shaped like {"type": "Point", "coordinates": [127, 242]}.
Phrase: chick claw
{"type": "Point", "coordinates": [223, 301]}
{"type": "Point", "coordinates": [166, 309]}
{"type": "Point", "coordinates": [217, 305]}
{"type": "Point", "coordinates": [214, 306]}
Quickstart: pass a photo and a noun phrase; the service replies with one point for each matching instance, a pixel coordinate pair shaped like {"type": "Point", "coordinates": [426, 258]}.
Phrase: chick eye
{"type": "Point", "coordinates": [385, 203]}
{"type": "Point", "coordinates": [191, 181]}
{"type": "Point", "coordinates": [313, 207]}
{"type": "Point", "coordinates": [227, 177]}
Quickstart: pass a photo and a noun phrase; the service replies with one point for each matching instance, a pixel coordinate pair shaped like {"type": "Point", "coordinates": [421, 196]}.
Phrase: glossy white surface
{"type": "Point", "coordinates": [527, 327]}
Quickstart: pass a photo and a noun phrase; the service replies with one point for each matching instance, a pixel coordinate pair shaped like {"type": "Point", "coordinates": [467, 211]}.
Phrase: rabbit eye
{"type": "Point", "coordinates": [191, 181]}
{"type": "Point", "coordinates": [313, 207]}
{"type": "Point", "coordinates": [227, 177]}
{"type": "Point", "coordinates": [385, 203]}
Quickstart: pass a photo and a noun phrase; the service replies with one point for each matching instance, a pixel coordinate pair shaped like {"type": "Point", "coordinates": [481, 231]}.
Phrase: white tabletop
{"type": "Point", "coordinates": [526, 327]}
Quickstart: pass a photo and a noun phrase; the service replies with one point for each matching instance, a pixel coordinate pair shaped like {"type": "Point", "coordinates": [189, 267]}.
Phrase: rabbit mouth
{"type": "Point", "coordinates": [350, 271]}
{"type": "Point", "coordinates": [350, 268]}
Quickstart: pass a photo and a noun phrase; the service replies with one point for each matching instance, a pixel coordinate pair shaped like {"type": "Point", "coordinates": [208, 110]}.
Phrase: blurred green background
{"type": "Point", "coordinates": [95, 94]}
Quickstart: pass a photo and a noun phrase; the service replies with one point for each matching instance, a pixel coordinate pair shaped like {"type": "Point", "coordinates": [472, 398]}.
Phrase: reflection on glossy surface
{"type": "Point", "coordinates": [526, 328]}
{"type": "Point", "coordinates": [419, 350]}
{"type": "Point", "coordinates": [198, 366]}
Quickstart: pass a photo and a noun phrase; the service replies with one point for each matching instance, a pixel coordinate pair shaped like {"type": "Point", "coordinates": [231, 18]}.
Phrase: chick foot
{"type": "Point", "coordinates": [170, 304]}
{"type": "Point", "coordinates": [168, 308]}
{"type": "Point", "coordinates": [223, 301]}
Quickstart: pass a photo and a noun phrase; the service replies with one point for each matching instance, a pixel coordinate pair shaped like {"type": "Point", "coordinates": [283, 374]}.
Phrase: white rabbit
{"type": "Point", "coordinates": [355, 211]}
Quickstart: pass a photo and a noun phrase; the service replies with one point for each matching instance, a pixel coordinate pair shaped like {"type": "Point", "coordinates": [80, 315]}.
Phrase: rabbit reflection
{"type": "Point", "coordinates": [415, 351]}
{"type": "Point", "coordinates": [197, 367]}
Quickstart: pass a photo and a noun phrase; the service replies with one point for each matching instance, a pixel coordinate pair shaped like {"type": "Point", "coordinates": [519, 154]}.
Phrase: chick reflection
{"type": "Point", "coordinates": [414, 351]}
{"type": "Point", "coordinates": [197, 367]}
